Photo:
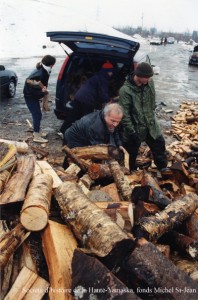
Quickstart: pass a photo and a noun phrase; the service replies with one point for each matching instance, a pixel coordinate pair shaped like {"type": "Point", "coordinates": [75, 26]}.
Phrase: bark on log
{"type": "Point", "coordinates": [92, 279]}
{"type": "Point", "coordinates": [112, 191]}
{"type": "Point", "coordinates": [27, 284]}
{"type": "Point", "coordinates": [120, 180]}
{"type": "Point", "coordinates": [191, 225]}
{"type": "Point", "coordinates": [101, 171]}
{"type": "Point", "coordinates": [10, 242]}
{"type": "Point", "coordinates": [26, 258]}
{"type": "Point", "coordinates": [143, 209]}
{"type": "Point", "coordinates": [35, 210]}
{"type": "Point", "coordinates": [16, 187]}
{"type": "Point", "coordinates": [22, 147]}
{"type": "Point", "coordinates": [75, 158]}
{"type": "Point", "coordinates": [7, 151]}
{"type": "Point", "coordinates": [189, 267]}
{"type": "Point", "coordinates": [99, 152]}
{"type": "Point", "coordinates": [58, 246]}
{"type": "Point", "coordinates": [149, 272]}
{"type": "Point", "coordinates": [89, 223]}
{"type": "Point", "coordinates": [172, 216]}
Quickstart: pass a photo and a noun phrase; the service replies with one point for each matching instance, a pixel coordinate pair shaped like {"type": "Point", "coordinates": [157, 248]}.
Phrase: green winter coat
{"type": "Point", "coordinates": [139, 110]}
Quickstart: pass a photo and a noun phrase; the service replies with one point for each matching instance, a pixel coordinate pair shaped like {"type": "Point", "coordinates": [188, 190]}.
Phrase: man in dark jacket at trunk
{"type": "Point", "coordinates": [93, 94]}
{"type": "Point", "coordinates": [137, 97]}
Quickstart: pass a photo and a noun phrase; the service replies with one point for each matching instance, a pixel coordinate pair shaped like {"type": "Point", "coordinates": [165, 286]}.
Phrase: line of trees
{"type": "Point", "coordinates": [186, 36]}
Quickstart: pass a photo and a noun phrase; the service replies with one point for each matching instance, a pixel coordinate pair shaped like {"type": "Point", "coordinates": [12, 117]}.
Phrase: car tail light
{"type": "Point", "coordinates": [63, 68]}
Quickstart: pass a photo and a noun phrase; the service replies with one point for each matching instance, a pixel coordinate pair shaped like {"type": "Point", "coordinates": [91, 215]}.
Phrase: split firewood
{"type": "Point", "coordinates": [156, 195]}
{"type": "Point", "coordinates": [28, 285]}
{"type": "Point", "coordinates": [172, 216]}
{"type": "Point", "coordinates": [188, 266]}
{"type": "Point", "coordinates": [22, 147]}
{"type": "Point", "coordinates": [35, 210]}
{"type": "Point", "coordinates": [64, 176]}
{"type": "Point", "coordinates": [100, 171]}
{"type": "Point", "coordinates": [58, 247]}
{"type": "Point", "coordinates": [5, 273]}
{"type": "Point", "coordinates": [9, 165]}
{"type": "Point", "coordinates": [191, 225]}
{"type": "Point", "coordinates": [3, 179]}
{"type": "Point", "coordinates": [99, 152]}
{"type": "Point", "coordinates": [10, 241]}
{"type": "Point", "coordinates": [112, 191]}
{"type": "Point", "coordinates": [47, 169]}
{"type": "Point", "coordinates": [121, 180]}
{"type": "Point", "coordinates": [187, 189]}
{"type": "Point", "coordinates": [25, 258]}
{"type": "Point", "coordinates": [7, 151]}
{"type": "Point", "coordinates": [91, 278]}
{"type": "Point", "coordinates": [42, 152]}
{"type": "Point", "coordinates": [16, 187]}
{"type": "Point", "coordinates": [87, 181]}
{"type": "Point", "coordinates": [73, 169]}
{"type": "Point", "coordinates": [147, 266]}
{"type": "Point", "coordinates": [89, 223]}
{"type": "Point", "coordinates": [75, 158]}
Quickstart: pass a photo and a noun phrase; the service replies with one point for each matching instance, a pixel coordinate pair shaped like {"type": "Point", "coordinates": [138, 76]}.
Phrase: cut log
{"type": "Point", "coordinates": [101, 171]}
{"type": "Point", "coordinates": [3, 179]}
{"type": "Point", "coordinates": [189, 267]}
{"type": "Point", "coordinates": [143, 209]}
{"type": "Point", "coordinates": [27, 282]}
{"type": "Point", "coordinates": [35, 210]}
{"type": "Point", "coordinates": [58, 246]}
{"type": "Point", "coordinates": [89, 223]}
{"type": "Point", "coordinates": [172, 216]}
{"type": "Point", "coordinates": [191, 225]}
{"type": "Point", "coordinates": [156, 195]}
{"type": "Point", "coordinates": [40, 151]}
{"type": "Point", "coordinates": [121, 180]}
{"type": "Point", "coordinates": [93, 280]}
{"type": "Point", "coordinates": [75, 158]}
{"type": "Point", "coordinates": [47, 169]}
{"type": "Point", "coordinates": [22, 147]}
{"type": "Point", "coordinates": [73, 169]}
{"type": "Point", "coordinates": [99, 152]}
{"type": "Point", "coordinates": [184, 244]}
{"type": "Point", "coordinates": [16, 187]}
{"type": "Point", "coordinates": [10, 242]}
{"type": "Point", "coordinates": [151, 274]}
{"type": "Point", "coordinates": [87, 181]}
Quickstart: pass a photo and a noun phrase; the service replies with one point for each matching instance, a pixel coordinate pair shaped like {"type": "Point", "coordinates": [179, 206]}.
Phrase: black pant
{"type": "Point", "coordinates": [157, 148]}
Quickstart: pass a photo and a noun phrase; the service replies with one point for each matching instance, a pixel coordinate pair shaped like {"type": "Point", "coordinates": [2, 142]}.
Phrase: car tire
{"type": "Point", "coordinates": [11, 89]}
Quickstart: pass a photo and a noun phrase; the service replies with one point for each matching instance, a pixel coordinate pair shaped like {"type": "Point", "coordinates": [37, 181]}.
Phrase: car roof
{"type": "Point", "coordinates": [88, 42]}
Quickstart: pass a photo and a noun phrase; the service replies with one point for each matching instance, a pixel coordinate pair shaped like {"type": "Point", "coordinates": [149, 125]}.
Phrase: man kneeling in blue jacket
{"type": "Point", "coordinates": [99, 127]}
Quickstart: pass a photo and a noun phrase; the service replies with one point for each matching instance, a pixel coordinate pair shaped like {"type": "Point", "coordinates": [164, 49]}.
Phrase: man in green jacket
{"type": "Point", "coordinates": [137, 97]}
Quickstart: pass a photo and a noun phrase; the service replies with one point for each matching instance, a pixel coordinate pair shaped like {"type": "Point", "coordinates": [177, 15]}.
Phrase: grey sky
{"type": "Point", "coordinates": [167, 15]}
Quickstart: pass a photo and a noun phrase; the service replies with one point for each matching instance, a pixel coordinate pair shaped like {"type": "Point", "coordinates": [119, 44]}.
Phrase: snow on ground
{"type": "Point", "coordinates": [24, 23]}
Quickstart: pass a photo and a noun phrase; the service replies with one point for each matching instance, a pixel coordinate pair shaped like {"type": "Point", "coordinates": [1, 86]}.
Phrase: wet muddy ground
{"type": "Point", "coordinates": [176, 82]}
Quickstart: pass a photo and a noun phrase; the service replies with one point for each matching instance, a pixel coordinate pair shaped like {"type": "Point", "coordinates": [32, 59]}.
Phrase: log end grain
{"type": "Point", "coordinates": [34, 218]}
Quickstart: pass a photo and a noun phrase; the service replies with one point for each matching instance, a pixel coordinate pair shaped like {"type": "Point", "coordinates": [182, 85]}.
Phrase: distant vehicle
{"type": "Point", "coordinates": [8, 82]}
{"type": "Point", "coordinates": [88, 53]}
{"type": "Point", "coordinates": [193, 60]}
{"type": "Point", "coordinates": [155, 41]}
{"type": "Point", "coordinates": [170, 40]}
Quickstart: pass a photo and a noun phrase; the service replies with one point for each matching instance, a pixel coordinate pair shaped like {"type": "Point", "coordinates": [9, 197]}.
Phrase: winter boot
{"type": "Point", "coordinates": [38, 139]}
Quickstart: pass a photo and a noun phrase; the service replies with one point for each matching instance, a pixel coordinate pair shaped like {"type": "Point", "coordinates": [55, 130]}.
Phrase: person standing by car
{"type": "Point", "coordinates": [93, 94]}
{"type": "Point", "coordinates": [137, 97]}
{"type": "Point", "coordinates": [35, 88]}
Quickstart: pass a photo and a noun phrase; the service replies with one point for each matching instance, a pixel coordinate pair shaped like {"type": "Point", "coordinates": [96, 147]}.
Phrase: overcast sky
{"type": "Point", "coordinates": [166, 15]}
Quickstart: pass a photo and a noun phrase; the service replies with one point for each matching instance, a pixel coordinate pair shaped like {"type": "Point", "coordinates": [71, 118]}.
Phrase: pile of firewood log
{"type": "Point", "coordinates": [95, 231]}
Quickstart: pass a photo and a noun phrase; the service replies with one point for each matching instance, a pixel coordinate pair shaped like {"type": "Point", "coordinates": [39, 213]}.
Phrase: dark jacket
{"type": "Point", "coordinates": [33, 92]}
{"type": "Point", "coordinates": [91, 130]}
{"type": "Point", "coordinates": [139, 110]}
{"type": "Point", "coordinates": [95, 91]}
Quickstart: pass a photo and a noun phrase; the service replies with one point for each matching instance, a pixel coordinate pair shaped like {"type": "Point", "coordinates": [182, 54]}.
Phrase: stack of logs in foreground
{"type": "Point", "coordinates": [94, 231]}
